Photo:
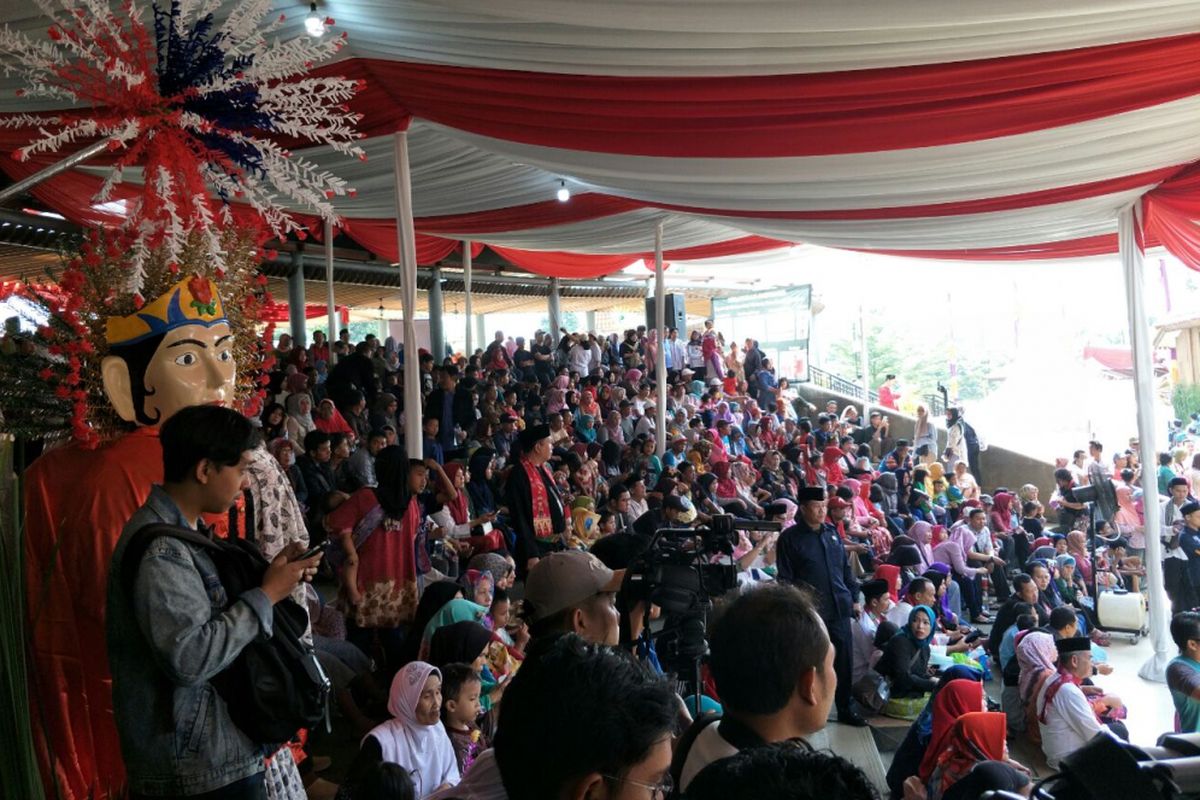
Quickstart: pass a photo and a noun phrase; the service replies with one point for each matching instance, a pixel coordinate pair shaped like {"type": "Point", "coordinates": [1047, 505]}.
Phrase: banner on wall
{"type": "Point", "coordinates": [780, 319]}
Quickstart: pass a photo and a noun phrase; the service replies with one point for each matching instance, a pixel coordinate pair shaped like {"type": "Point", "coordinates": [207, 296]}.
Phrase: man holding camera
{"type": "Point", "coordinates": [810, 554]}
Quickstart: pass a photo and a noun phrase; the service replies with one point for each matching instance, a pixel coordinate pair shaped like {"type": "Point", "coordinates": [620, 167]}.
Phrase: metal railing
{"type": "Point", "coordinates": [836, 383]}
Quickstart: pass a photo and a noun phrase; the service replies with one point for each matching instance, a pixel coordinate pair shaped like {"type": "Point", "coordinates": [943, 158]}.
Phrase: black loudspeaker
{"type": "Point", "coordinates": [676, 317]}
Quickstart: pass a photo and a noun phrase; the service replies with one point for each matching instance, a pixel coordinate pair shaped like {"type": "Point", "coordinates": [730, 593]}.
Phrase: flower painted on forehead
{"type": "Point", "coordinates": [202, 296]}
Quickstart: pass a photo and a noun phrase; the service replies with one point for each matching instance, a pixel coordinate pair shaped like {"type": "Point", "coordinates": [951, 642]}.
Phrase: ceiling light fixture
{"type": "Point", "coordinates": [564, 194]}
{"type": "Point", "coordinates": [314, 23]}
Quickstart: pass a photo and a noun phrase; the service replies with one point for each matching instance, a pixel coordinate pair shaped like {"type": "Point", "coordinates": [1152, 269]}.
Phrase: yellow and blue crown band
{"type": "Point", "coordinates": [177, 307]}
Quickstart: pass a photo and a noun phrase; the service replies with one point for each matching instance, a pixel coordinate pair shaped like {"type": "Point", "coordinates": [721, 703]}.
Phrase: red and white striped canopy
{"type": "Point", "coordinates": [966, 130]}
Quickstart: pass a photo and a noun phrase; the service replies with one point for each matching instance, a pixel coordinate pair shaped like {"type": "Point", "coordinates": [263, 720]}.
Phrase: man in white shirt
{"type": "Point", "coordinates": [1067, 719]}
{"type": "Point", "coordinates": [645, 424]}
{"type": "Point", "coordinates": [1078, 468]}
{"type": "Point", "coordinates": [1175, 564]}
{"type": "Point", "coordinates": [773, 665]}
{"type": "Point", "coordinates": [921, 592]}
{"type": "Point", "coordinates": [579, 357]}
{"type": "Point", "coordinates": [677, 351]}
{"type": "Point", "coordinates": [876, 602]}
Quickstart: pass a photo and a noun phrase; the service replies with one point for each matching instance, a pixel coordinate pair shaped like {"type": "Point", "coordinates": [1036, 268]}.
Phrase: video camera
{"type": "Point", "coordinates": [1107, 769]}
{"type": "Point", "coordinates": [681, 571]}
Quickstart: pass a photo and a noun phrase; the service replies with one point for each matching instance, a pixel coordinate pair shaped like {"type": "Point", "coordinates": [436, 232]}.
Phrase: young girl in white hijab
{"type": "Point", "coordinates": [414, 738]}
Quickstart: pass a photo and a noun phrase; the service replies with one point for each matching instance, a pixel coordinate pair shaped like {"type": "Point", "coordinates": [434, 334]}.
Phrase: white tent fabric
{"type": "Point", "coordinates": [1058, 181]}
{"type": "Point", "coordinates": [716, 37]}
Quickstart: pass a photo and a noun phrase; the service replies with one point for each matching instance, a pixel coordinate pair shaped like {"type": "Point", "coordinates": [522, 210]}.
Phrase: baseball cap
{"type": "Point", "coordinates": [676, 503]}
{"type": "Point", "coordinates": [565, 579]}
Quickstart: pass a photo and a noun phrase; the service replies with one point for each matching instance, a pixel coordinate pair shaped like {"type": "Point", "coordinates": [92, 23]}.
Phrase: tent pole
{"type": "Point", "coordinates": [330, 305]}
{"type": "Point", "coordinates": [468, 350]}
{"type": "Point", "coordinates": [864, 364]}
{"type": "Point", "coordinates": [554, 307]}
{"type": "Point", "coordinates": [660, 358]}
{"type": "Point", "coordinates": [1143, 371]}
{"type": "Point", "coordinates": [407, 241]}
{"type": "Point", "coordinates": [437, 339]}
{"type": "Point", "coordinates": [296, 304]}
{"type": "Point", "coordinates": [65, 164]}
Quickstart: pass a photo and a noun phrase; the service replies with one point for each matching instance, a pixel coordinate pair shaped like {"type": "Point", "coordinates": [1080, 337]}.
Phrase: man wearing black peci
{"type": "Point", "coordinates": [536, 509]}
{"type": "Point", "coordinates": [811, 554]}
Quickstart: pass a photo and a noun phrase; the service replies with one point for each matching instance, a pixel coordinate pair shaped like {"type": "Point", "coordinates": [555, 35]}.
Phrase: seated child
{"type": "Point", "coordinates": [500, 622]}
{"type": "Point", "coordinates": [461, 707]}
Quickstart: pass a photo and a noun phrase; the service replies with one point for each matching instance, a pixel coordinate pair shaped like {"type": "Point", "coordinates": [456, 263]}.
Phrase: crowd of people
{"type": "Point", "coordinates": [539, 479]}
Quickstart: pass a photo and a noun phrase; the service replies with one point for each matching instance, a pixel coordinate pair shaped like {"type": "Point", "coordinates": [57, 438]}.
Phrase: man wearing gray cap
{"type": "Point", "coordinates": [573, 592]}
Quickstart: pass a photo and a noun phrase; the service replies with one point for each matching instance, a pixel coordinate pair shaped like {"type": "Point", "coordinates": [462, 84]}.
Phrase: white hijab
{"type": "Point", "coordinates": [424, 750]}
{"type": "Point", "coordinates": [303, 421]}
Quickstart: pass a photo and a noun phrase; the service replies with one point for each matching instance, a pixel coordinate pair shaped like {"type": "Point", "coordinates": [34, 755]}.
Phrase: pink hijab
{"type": "Point", "coordinates": [1036, 655]}
{"type": "Point", "coordinates": [789, 516]}
{"type": "Point", "coordinates": [922, 533]}
{"type": "Point", "coordinates": [859, 505]}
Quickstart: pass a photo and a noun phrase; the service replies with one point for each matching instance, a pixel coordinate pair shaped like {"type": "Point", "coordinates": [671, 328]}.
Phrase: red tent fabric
{"type": "Point", "coordinates": [280, 312]}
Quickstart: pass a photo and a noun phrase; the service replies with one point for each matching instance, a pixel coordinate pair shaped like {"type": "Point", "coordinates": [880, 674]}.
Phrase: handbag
{"type": "Point", "coordinates": [873, 692]}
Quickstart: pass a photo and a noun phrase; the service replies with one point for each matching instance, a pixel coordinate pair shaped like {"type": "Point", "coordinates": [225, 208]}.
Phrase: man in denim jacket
{"type": "Point", "coordinates": [176, 629]}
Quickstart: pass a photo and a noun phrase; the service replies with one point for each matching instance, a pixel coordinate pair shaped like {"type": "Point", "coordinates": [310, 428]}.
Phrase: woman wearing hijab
{"type": "Point", "coordinates": [953, 700]}
{"type": "Point", "coordinates": [414, 737]}
{"type": "Point", "coordinates": [479, 485]}
{"type": "Point", "coordinates": [1001, 518]}
{"type": "Point", "coordinates": [948, 703]}
{"type": "Point", "coordinates": [719, 454]}
{"type": "Point", "coordinates": [472, 643]}
{"type": "Point", "coordinates": [949, 600]}
{"type": "Point", "coordinates": [455, 515]}
{"type": "Point", "coordinates": [299, 421]}
{"type": "Point", "coordinates": [890, 574]}
{"type": "Point", "coordinates": [330, 420]}
{"type": "Point", "coordinates": [726, 491]}
{"type": "Point", "coordinates": [921, 533]}
{"type": "Point", "coordinates": [383, 413]}
{"type": "Point", "coordinates": [585, 431]}
{"type": "Point", "coordinates": [377, 528]}
{"type": "Point", "coordinates": [456, 610]}
{"type": "Point", "coordinates": [460, 643]}
{"type": "Point", "coordinates": [610, 459]}
{"type": "Point", "coordinates": [273, 421]}
{"type": "Point", "coordinates": [1127, 520]}
{"type": "Point", "coordinates": [612, 433]}
{"type": "Point", "coordinates": [1036, 658]}
{"type": "Point", "coordinates": [705, 498]}
{"type": "Point", "coordinates": [925, 435]}
{"type": "Point", "coordinates": [433, 599]}
{"type": "Point", "coordinates": [588, 404]}
{"type": "Point", "coordinates": [833, 470]}
{"type": "Point", "coordinates": [905, 663]}
{"type": "Point", "coordinates": [1077, 549]}
{"type": "Point", "coordinates": [976, 736]}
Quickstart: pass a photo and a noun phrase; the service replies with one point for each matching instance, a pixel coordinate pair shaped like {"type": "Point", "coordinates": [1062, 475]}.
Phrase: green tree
{"type": "Point", "coordinates": [919, 368]}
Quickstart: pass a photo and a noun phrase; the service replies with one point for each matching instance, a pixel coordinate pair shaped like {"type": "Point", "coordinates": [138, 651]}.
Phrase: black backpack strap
{"type": "Point", "coordinates": [131, 559]}
{"type": "Point", "coordinates": [684, 746]}
{"type": "Point", "coordinates": [250, 528]}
